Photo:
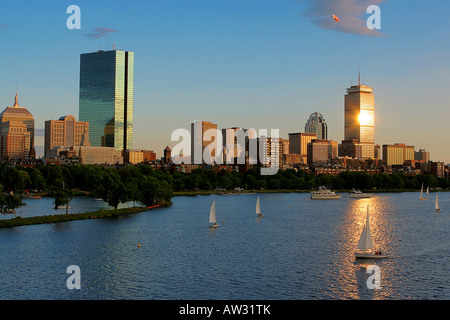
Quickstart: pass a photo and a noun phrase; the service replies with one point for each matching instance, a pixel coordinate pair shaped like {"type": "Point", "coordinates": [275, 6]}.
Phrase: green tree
{"type": "Point", "coordinates": [154, 191]}
{"type": "Point", "coordinates": [10, 202]}
{"type": "Point", "coordinates": [111, 189]}
{"type": "Point", "coordinates": [62, 196]}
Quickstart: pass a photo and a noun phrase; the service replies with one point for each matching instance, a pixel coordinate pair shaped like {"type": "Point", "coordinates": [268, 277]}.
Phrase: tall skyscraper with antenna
{"type": "Point", "coordinates": [359, 117]}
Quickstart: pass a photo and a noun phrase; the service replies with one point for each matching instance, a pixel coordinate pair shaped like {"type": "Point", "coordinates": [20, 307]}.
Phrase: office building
{"type": "Point", "coordinates": [316, 124]}
{"type": "Point", "coordinates": [200, 142]}
{"type": "Point", "coordinates": [236, 145]}
{"type": "Point", "coordinates": [360, 118]}
{"type": "Point", "coordinates": [321, 150]}
{"type": "Point", "coordinates": [397, 154]}
{"type": "Point", "coordinates": [17, 132]}
{"type": "Point", "coordinates": [350, 148]}
{"type": "Point", "coordinates": [136, 156]}
{"type": "Point", "coordinates": [422, 155]}
{"type": "Point", "coordinates": [99, 155]}
{"type": "Point", "coordinates": [298, 144]}
{"type": "Point", "coordinates": [65, 131]}
{"type": "Point", "coordinates": [106, 97]}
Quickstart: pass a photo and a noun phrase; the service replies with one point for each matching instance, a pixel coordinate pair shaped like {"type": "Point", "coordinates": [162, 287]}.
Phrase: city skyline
{"type": "Point", "coordinates": [241, 64]}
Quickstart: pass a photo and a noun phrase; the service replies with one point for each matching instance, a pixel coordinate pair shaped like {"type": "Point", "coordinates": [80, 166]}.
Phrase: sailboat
{"type": "Point", "coordinates": [365, 244]}
{"type": "Point", "coordinates": [421, 194]}
{"type": "Point", "coordinates": [212, 215]}
{"type": "Point", "coordinates": [428, 191]}
{"type": "Point", "coordinates": [258, 209]}
{"type": "Point", "coordinates": [436, 205]}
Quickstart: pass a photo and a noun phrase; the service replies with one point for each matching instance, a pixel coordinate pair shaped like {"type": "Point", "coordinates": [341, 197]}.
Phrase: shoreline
{"type": "Point", "coordinates": [214, 192]}
{"type": "Point", "coordinates": [56, 218]}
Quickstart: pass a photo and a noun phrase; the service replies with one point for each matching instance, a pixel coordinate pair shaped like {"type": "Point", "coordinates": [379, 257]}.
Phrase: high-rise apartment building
{"type": "Point", "coordinates": [106, 97]}
{"type": "Point", "coordinates": [67, 132]}
{"type": "Point", "coordinates": [360, 118]}
{"type": "Point", "coordinates": [17, 132]}
{"type": "Point", "coordinates": [316, 124]}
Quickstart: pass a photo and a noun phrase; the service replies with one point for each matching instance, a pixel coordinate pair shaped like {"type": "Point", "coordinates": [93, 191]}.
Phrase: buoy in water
{"type": "Point", "coordinates": [139, 245]}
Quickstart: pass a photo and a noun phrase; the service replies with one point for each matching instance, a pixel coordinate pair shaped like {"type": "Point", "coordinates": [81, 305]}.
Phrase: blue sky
{"type": "Point", "coordinates": [265, 64]}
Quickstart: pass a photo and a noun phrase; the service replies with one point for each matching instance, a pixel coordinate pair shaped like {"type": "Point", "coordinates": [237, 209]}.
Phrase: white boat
{"type": "Point", "coordinates": [421, 194]}
{"type": "Point", "coordinates": [365, 245]}
{"type": "Point", "coordinates": [258, 209]}
{"type": "Point", "coordinates": [212, 215]}
{"type": "Point", "coordinates": [358, 194]}
{"type": "Point", "coordinates": [428, 191]}
{"type": "Point", "coordinates": [324, 194]}
{"type": "Point", "coordinates": [436, 204]}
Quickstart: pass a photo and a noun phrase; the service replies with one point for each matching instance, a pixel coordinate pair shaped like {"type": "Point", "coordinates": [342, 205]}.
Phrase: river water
{"type": "Point", "coordinates": [300, 249]}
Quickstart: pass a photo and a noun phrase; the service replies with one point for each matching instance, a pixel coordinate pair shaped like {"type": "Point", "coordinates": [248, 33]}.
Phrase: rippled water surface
{"type": "Point", "coordinates": [300, 249]}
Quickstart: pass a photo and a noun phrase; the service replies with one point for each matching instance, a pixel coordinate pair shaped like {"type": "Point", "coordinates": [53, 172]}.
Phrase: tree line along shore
{"type": "Point", "coordinates": [150, 187]}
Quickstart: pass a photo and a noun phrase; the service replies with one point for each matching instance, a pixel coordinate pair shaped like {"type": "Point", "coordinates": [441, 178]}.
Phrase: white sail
{"type": "Point", "coordinates": [421, 192]}
{"type": "Point", "coordinates": [258, 207]}
{"type": "Point", "coordinates": [212, 213]}
{"type": "Point", "coordinates": [365, 242]}
{"type": "Point", "coordinates": [428, 191]}
{"type": "Point", "coordinates": [437, 203]}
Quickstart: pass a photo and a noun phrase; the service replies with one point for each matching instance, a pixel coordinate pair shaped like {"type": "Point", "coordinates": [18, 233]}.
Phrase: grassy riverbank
{"type": "Point", "coordinates": [55, 218]}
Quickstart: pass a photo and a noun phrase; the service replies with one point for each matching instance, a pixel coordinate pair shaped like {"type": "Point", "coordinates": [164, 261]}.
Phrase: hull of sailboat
{"type": "Point", "coordinates": [369, 255]}
{"type": "Point", "coordinates": [214, 226]}
{"type": "Point", "coordinates": [422, 199]}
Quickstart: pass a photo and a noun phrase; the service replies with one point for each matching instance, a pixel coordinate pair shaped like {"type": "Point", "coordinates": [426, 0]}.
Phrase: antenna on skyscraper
{"type": "Point", "coordinates": [359, 77]}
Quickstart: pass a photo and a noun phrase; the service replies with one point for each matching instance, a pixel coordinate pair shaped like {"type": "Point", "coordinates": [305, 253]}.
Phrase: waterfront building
{"type": "Point", "coordinates": [106, 97]}
{"type": "Point", "coordinates": [65, 131]}
{"type": "Point", "coordinates": [316, 124]}
{"type": "Point", "coordinates": [397, 154]}
{"type": "Point", "coordinates": [17, 132]}
{"type": "Point", "coordinates": [359, 119]}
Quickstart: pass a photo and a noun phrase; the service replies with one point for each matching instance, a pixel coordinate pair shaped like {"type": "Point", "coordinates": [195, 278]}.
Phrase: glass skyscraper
{"type": "Point", "coordinates": [360, 118]}
{"type": "Point", "coordinates": [106, 97]}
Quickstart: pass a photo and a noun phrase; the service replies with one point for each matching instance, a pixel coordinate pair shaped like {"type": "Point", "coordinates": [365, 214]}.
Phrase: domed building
{"type": "Point", "coordinates": [17, 133]}
{"type": "Point", "coordinates": [316, 124]}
